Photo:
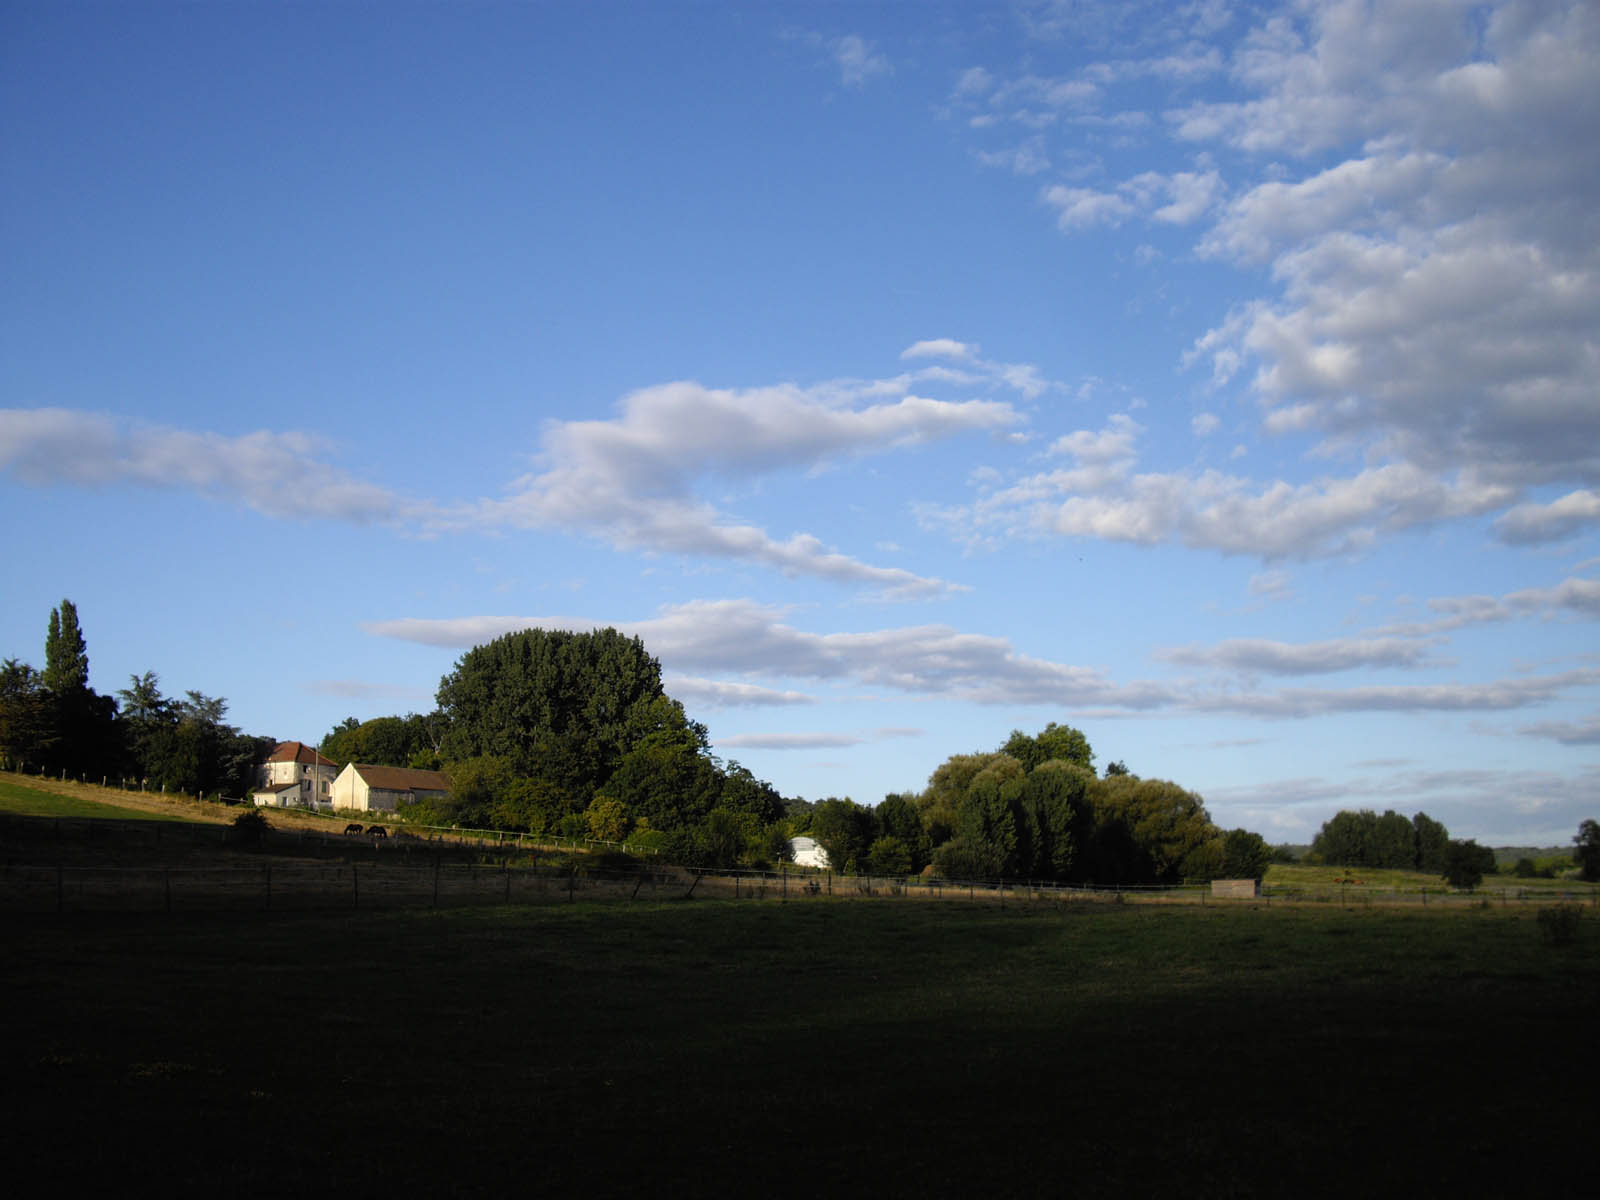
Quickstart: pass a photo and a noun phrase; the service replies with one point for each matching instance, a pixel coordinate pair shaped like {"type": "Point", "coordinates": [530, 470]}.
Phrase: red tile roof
{"type": "Point", "coordinates": [299, 752]}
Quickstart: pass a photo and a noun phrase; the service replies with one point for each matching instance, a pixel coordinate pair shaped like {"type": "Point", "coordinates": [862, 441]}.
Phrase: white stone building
{"type": "Point", "coordinates": [367, 787]}
{"type": "Point", "coordinates": [295, 774]}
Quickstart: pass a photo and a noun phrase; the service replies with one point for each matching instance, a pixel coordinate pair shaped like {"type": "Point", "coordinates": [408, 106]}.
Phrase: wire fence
{"type": "Point", "coordinates": [309, 869]}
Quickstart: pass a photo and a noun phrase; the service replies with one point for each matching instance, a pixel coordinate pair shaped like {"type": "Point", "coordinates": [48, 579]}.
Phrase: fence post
{"type": "Point", "coordinates": [507, 869]}
{"type": "Point", "coordinates": [269, 887]}
{"type": "Point", "coordinates": [355, 885]}
{"type": "Point", "coordinates": [436, 879]}
{"type": "Point", "coordinates": [61, 889]}
{"type": "Point", "coordinates": [166, 886]}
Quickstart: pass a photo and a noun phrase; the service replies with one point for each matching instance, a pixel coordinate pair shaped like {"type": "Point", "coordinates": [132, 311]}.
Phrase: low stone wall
{"type": "Point", "coordinates": [1235, 889]}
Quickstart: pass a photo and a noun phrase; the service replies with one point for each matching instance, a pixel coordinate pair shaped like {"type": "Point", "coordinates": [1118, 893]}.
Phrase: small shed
{"type": "Point", "coordinates": [1236, 889]}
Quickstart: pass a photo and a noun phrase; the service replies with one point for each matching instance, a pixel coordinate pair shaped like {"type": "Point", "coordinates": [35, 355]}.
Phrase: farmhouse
{"type": "Point", "coordinates": [294, 773]}
{"type": "Point", "coordinates": [363, 786]}
{"type": "Point", "coordinates": [808, 852]}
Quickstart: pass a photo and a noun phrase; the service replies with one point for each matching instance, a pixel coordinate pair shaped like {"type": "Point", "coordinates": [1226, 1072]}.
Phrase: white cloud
{"type": "Point", "coordinates": [1578, 598]}
{"type": "Point", "coordinates": [278, 474]}
{"type": "Point", "coordinates": [721, 693]}
{"type": "Point", "coordinates": [857, 60]}
{"type": "Point", "coordinates": [1440, 286]}
{"type": "Point", "coordinates": [808, 741]}
{"type": "Point", "coordinates": [1083, 208]}
{"type": "Point", "coordinates": [630, 479]}
{"type": "Point", "coordinates": [1303, 658]}
{"type": "Point", "coordinates": [1530, 524]}
{"type": "Point", "coordinates": [743, 638]}
{"type": "Point", "coordinates": [1205, 424]}
{"type": "Point", "coordinates": [1102, 497]}
{"type": "Point", "coordinates": [1568, 733]}
{"type": "Point", "coordinates": [744, 641]}
{"type": "Point", "coordinates": [940, 348]}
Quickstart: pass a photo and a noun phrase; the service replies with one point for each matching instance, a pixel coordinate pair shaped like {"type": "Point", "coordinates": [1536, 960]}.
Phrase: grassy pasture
{"type": "Point", "coordinates": [81, 801]}
{"type": "Point", "coordinates": [827, 1047]}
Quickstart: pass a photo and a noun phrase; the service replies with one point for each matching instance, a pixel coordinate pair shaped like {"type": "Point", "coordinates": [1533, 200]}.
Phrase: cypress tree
{"type": "Point", "coordinates": [66, 658]}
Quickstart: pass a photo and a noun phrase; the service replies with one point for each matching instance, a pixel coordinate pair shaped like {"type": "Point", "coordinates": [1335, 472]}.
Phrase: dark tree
{"type": "Point", "coordinates": [1587, 851]}
{"type": "Point", "coordinates": [26, 730]}
{"type": "Point", "coordinates": [1432, 838]}
{"type": "Point", "coordinates": [1466, 863]}
{"type": "Point", "coordinates": [1245, 854]}
{"type": "Point", "coordinates": [1345, 840]}
{"type": "Point", "coordinates": [1393, 843]}
{"type": "Point", "coordinates": [846, 831]}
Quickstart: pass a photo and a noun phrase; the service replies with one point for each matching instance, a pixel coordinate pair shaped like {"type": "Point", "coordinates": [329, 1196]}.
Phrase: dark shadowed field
{"type": "Point", "coordinates": [755, 1047]}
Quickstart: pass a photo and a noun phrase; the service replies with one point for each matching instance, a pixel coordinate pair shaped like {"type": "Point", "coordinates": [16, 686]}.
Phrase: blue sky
{"type": "Point", "coordinates": [1218, 379]}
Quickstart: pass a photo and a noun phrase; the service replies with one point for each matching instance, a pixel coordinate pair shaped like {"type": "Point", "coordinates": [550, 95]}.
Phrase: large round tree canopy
{"type": "Point", "coordinates": [530, 694]}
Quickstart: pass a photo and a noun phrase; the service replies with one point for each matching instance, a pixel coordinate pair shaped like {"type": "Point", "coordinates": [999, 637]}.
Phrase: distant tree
{"type": "Point", "coordinates": [899, 819]}
{"type": "Point", "coordinates": [1246, 855]}
{"type": "Point", "coordinates": [1587, 854]}
{"type": "Point", "coordinates": [1150, 831]}
{"type": "Point", "coordinates": [845, 830]}
{"type": "Point", "coordinates": [385, 741]}
{"type": "Point", "coordinates": [1117, 768]}
{"type": "Point", "coordinates": [1466, 863]}
{"type": "Point", "coordinates": [889, 856]}
{"type": "Point", "coordinates": [1057, 814]}
{"type": "Point", "coordinates": [1345, 839]}
{"type": "Point", "coordinates": [743, 792]}
{"type": "Point", "coordinates": [1432, 838]}
{"type": "Point", "coordinates": [725, 835]}
{"type": "Point", "coordinates": [1392, 843]}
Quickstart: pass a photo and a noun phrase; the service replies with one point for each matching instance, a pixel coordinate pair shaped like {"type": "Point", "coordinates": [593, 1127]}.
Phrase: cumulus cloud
{"type": "Point", "coordinates": [743, 638]}
{"type": "Point", "coordinates": [631, 479]}
{"type": "Point", "coordinates": [1413, 179]}
{"type": "Point", "coordinates": [1439, 287]}
{"type": "Point", "coordinates": [1579, 598]}
{"type": "Point", "coordinates": [1531, 524]}
{"type": "Point", "coordinates": [1303, 658]}
{"type": "Point", "coordinates": [1102, 496]}
{"type": "Point", "coordinates": [279, 474]}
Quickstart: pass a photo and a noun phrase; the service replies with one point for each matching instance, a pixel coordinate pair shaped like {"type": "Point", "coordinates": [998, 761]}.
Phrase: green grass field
{"type": "Point", "coordinates": [861, 1047]}
{"type": "Point", "coordinates": [34, 802]}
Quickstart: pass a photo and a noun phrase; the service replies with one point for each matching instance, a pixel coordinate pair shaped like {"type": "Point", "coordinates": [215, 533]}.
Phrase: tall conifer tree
{"type": "Point", "coordinates": [66, 658]}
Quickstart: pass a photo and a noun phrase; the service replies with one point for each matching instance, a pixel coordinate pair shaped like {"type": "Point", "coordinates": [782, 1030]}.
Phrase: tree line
{"type": "Point", "coordinates": [549, 731]}
{"type": "Point", "coordinates": [1034, 808]}
{"type": "Point", "coordinates": [573, 734]}
{"type": "Point", "coordinates": [51, 720]}
{"type": "Point", "coordinates": [1366, 839]}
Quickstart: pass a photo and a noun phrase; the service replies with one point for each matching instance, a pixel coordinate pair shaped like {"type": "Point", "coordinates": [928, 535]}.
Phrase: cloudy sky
{"type": "Point", "coordinates": [1219, 379]}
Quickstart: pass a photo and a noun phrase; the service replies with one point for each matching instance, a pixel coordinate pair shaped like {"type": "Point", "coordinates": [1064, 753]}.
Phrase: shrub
{"type": "Point", "coordinates": [250, 826]}
{"type": "Point", "coordinates": [1559, 923]}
